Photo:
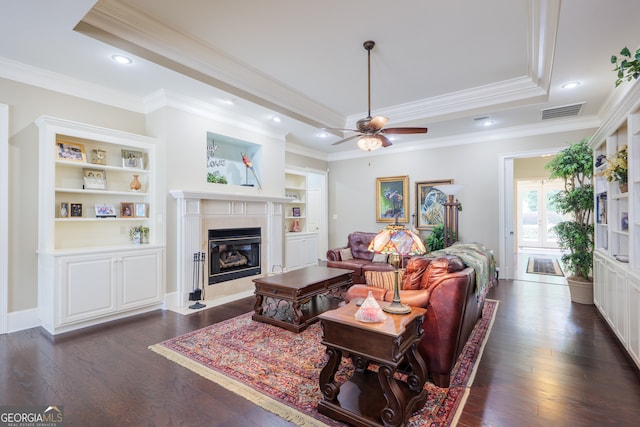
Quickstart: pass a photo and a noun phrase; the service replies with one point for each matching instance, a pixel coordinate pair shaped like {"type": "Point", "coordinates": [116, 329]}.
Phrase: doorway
{"type": "Point", "coordinates": [536, 213]}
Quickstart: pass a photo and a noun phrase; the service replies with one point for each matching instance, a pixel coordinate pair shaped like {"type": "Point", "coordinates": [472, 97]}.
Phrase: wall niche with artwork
{"type": "Point", "coordinates": [232, 161]}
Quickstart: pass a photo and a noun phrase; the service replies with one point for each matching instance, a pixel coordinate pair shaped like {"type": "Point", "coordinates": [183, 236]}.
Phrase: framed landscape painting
{"type": "Point", "coordinates": [392, 199]}
{"type": "Point", "coordinates": [430, 204]}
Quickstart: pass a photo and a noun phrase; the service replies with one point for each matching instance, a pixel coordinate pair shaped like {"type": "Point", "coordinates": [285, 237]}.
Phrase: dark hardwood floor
{"type": "Point", "coordinates": [547, 363]}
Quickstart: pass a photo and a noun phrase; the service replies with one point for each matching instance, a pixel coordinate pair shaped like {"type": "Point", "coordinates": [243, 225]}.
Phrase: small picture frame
{"type": "Point", "coordinates": [65, 210]}
{"type": "Point", "coordinates": [141, 210]}
{"type": "Point", "coordinates": [105, 211]}
{"type": "Point", "coordinates": [94, 179]}
{"type": "Point", "coordinates": [296, 211]}
{"type": "Point", "coordinates": [624, 221]}
{"type": "Point", "coordinates": [70, 151]}
{"type": "Point", "coordinates": [132, 159]}
{"type": "Point", "coordinates": [76, 210]}
{"type": "Point", "coordinates": [98, 156]}
{"type": "Point", "coordinates": [126, 210]}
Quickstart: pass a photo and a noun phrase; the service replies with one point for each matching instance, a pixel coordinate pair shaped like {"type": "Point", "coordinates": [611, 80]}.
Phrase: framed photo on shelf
{"type": "Point", "coordinates": [98, 156]}
{"type": "Point", "coordinates": [296, 211]}
{"type": "Point", "coordinates": [64, 211]}
{"type": "Point", "coordinates": [141, 210]}
{"type": "Point", "coordinates": [126, 210]}
{"type": "Point", "coordinates": [94, 179]}
{"type": "Point", "coordinates": [105, 211]}
{"type": "Point", "coordinates": [76, 210]}
{"type": "Point", "coordinates": [132, 159]}
{"type": "Point", "coordinates": [70, 151]}
{"type": "Point", "coordinates": [392, 199]}
{"type": "Point", "coordinates": [430, 204]}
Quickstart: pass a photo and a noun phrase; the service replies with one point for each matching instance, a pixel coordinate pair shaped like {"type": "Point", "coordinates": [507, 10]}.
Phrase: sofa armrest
{"type": "Point", "coordinates": [334, 254]}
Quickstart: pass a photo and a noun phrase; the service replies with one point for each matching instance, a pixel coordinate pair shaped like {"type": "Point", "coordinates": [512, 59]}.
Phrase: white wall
{"type": "Point", "coordinates": [352, 184]}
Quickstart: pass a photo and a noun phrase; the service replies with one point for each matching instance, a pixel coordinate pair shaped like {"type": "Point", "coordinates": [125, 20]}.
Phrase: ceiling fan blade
{"type": "Point", "coordinates": [377, 123]}
{"type": "Point", "coordinates": [341, 129]}
{"type": "Point", "coordinates": [346, 139]}
{"type": "Point", "coordinates": [404, 131]}
{"type": "Point", "coordinates": [385, 141]}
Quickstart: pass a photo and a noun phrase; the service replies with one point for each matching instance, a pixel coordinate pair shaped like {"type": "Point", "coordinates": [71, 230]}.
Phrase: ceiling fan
{"type": "Point", "coordinates": [371, 131]}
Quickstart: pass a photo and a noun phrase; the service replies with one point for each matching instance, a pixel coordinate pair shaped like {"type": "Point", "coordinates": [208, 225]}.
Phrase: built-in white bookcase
{"type": "Point", "coordinates": [89, 269]}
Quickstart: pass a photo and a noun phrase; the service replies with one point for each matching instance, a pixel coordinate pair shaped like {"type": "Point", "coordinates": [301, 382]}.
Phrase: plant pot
{"type": "Point", "coordinates": [581, 290]}
{"type": "Point", "coordinates": [624, 187]}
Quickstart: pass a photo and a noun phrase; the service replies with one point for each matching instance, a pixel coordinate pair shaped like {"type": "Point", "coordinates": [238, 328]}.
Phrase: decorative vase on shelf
{"type": "Point", "coordinates": [135, 184]}
{"type": "Point", "coordinates": [295, 226]}
{"type": "Point", "coordinates": [624, 187]}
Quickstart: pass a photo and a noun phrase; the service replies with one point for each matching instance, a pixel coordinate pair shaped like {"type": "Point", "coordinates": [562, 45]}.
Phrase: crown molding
{"type": "Point", "coordinates": [27, 74]}
{"type": "Point", "coordinates": [554, 126]}
{"type": "Point", "coordinates": [292, 147]}
{"type": "Point", "coordinates": [121, 25]}
{"type": "Point", "coordinates": [163, 98]}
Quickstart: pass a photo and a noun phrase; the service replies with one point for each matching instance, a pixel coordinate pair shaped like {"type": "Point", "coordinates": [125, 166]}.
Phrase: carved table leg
{"type": "Point", "coordinates": [257, 306]}
{"type": "Point", "coordinates": [328, 385]}
{"type": "Point", "coordinates": [418, 375]}
{"type": "Point", "coordinates": [393, 413]}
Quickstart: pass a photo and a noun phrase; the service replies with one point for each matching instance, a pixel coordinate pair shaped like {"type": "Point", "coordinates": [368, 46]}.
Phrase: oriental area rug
{"type": "Point", "coordinates": [279, 370]}
{"type": "Point", "coordinates": [547, 266]}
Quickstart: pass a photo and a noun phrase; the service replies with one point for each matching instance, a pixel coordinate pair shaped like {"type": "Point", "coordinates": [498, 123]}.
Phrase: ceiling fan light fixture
{"type": "Point", "coordinates": [369, 143]}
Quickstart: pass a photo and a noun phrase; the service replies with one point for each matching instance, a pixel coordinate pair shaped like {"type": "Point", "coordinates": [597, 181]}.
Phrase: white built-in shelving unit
{"type": "Point", "coordinates": [301, 244]}
{"type": "Point", "coordinates": [89, 270]}
{"type": "Point", "coordinates": [617, 229]}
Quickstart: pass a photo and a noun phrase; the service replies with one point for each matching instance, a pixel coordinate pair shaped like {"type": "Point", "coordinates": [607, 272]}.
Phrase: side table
{"type": "Point", "coordinates": [369, 398]}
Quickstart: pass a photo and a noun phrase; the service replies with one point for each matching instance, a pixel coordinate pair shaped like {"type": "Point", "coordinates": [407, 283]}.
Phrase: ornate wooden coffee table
{"type": "Point", "coordinates": [293, 300]}
{"type": "Point", "coordinates": [369, 398]}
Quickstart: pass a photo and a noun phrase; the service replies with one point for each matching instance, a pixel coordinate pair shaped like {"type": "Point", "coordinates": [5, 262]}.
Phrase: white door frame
{"type": "Point", "coordinates": [506, 214]}
{"type": "Point", "coordinates": [4, 217]}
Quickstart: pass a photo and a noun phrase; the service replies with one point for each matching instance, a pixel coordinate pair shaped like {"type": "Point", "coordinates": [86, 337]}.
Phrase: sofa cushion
{"type": "Point", "coordinates": [416, 267]}
{"type": "Point", "coordinates": [380, 258]}
{"type": "Point", "coordinates": [359, 241]}
{"type": "Point", "coordinates": [351, 264]}
{"type": "Point", "coordinates": [440, 267]}
{"type": "Point", "coordinates": [382, 279]}
{"type": "Point", "coordinates": [345, 254]}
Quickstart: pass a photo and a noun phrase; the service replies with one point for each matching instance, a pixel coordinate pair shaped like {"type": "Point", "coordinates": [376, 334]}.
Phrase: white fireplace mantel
{"type": "Point", "coordinates": [198, 211]}
{"type": "Point", "coordinates": [214, 195]}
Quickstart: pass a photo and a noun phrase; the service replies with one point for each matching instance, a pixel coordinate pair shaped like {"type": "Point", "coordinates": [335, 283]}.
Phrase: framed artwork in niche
{"type": "Point", "coordinates": [392, 199]}
{"type": "Point", "coordinates": [430, 204]}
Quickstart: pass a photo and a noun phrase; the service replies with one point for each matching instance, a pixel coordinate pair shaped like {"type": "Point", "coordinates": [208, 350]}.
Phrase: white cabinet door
{"type": "Point", "coordinates": [140, 274]}
{"type": "Point", "coordinates": [311, 250]}
{"type": "Point", "coordinates": [87, 287]}
{"type": "Point", "coordinates": [294, 257]}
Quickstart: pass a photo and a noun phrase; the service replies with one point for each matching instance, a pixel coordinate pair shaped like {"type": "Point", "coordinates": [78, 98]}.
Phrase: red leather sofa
{"type": "Point", "coordinates": [445, 286]}
{"type": "Point", "coordinates": [358, 243]}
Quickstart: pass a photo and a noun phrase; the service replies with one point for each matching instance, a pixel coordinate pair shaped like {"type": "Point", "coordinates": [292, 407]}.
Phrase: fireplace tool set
{"type": "Point", "coordinates": [197, 293]}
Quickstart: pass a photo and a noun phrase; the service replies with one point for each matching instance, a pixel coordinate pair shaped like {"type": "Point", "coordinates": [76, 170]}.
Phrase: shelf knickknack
{"type": "Point", "coordinates": [139, 234]}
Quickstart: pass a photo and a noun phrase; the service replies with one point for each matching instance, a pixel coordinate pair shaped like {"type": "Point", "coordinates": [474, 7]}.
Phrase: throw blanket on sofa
{"type": "Point", "coordinates": [480, 259]}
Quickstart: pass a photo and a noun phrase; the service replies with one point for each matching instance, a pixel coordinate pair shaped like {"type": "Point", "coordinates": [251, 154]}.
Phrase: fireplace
{"type": "Point", "coordinates": [234, 253]}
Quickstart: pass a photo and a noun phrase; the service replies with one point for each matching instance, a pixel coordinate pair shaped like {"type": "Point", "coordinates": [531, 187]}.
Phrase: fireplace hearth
{"type": "Point", "coordinates": [234, 253]}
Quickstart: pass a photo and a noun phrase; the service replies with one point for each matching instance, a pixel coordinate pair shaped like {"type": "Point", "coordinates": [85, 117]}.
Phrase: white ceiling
{"type": "Point", "coordinates": [438, 64]}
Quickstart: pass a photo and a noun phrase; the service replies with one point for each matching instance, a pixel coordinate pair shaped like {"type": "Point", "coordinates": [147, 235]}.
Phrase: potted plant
{"type": "Point", "coordinates": [574, 165]}
{"type": "Point", "coordinates": [627, 66]}
{"type": "Point", "coordinates": [139, 234]}
{"type": "Point", "coordinates": [616, 169]}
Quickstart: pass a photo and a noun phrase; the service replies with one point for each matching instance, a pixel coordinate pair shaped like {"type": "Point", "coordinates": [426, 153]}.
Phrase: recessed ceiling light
{"type": "Point", "coordinates": [570, 85]}
{"type": "Point", "coordinates": [322, 134]}
{"type": "Point", "coordinates": [229, 101]}
{"type": "Point", "coordinates": [488, 123]}
{"type": "Point", "coordinates": [121, 59]}
{"type": "Point", "coordinates": [277, 119]}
